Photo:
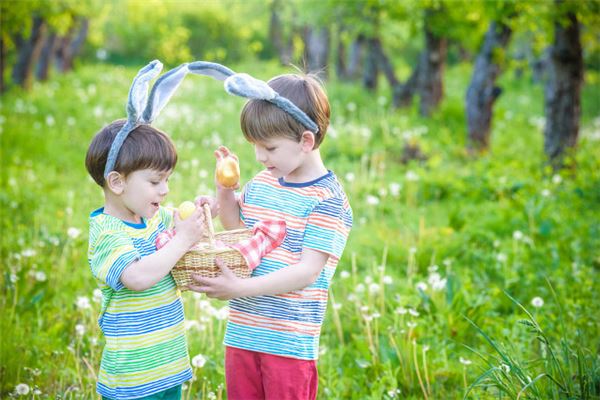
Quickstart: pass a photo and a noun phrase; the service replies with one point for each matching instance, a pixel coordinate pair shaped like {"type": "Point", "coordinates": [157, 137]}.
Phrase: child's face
{"type": "Point", "coordinates": [281, 156]}
{"type": "Point", "coordinates": [143, 192]}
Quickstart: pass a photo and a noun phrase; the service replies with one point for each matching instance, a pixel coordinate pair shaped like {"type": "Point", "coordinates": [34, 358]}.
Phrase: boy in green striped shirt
{"type": "Point", "coordinates": [142, 316]}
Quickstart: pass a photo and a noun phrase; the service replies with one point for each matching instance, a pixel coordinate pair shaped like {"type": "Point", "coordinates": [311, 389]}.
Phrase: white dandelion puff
{"type": "Point", "coordinates": [73, 232]}
{"type": "Point", "coordinates": [517, 235]}
{"type": "Point", "coordinates": [372, 200]}
{"type": "Point", "coordinates": [198, 361]}
{"type": "Point", "coordinates": [80, 330]}
{"type": "Point", "coordinates": [40, 276]}
{"type": "Point", "coordinates": [83, 303]}
{"type": "Point", "coordinates": [537, 302]}
{"type": "Point", "coordinates": [344, 274]}
{"type": "Point", "coordinates": [465, 361]}
{"type": "Point", "coordinates": [97, 295]}
{"type": "Point", "coordinates": [374, 288]}
{"type": "Point", "coordinates": [22, 389]}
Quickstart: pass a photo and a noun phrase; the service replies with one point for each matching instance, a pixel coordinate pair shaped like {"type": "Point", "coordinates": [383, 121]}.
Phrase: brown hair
{"type": "Point", "coordinates": [261, 120]}
{"type": "Point", "coordinates": [144, 147]}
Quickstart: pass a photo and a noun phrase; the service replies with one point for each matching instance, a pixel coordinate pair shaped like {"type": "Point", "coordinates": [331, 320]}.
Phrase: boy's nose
{"type": "Point", "coordinates": [164, 189]}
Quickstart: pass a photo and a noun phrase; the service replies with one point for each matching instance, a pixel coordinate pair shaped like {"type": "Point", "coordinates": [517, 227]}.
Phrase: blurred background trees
{"type": "Point", "coordinates": [410, 43]}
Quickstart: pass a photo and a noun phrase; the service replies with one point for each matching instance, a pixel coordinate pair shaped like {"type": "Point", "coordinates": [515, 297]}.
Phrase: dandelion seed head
{"type": "Point", "coordinates": [83, 303]}
{"type": "Point", "coordinates": [40, 276]}
{"type": "Point", "coordinates": [73, 232]}
{"type": "Point", "coordinates": [344, 274]}
{"type": "Point", "coordinates": [422, 286]}
{"type": "Point", "coordinates": [372, 200]}
{"type": "Point", "coordinates": [388, 280]}
{"type": "Point", "coordinates": [80, 330]}
{"type": "Point", "coordinates": [413, 312]}
{"type": "Point", "coordinates": [465, 361]}
{"type": "Point", "coordinates": [22, 389]}
{"type": "Point", "coordinates": [537, 302]}
{"type": "Point", "coordinates": [401, 310]}
{"type": "Point", "coordinates": [198, 361]}
{"type": "Point", "coordinates": [517, 235]}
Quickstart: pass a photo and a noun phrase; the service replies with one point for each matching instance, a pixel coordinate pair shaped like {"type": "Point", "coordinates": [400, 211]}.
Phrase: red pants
{"type": "Point", "coordinates": [256, 376]}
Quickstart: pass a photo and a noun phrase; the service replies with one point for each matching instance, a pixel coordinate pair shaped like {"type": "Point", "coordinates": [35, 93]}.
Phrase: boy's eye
{"type": "Point", "coordinates": [271, 148]}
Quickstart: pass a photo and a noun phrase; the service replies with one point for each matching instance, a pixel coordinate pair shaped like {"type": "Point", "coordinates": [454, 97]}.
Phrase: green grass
{"type": "Point", "coordinates": [500, 223]}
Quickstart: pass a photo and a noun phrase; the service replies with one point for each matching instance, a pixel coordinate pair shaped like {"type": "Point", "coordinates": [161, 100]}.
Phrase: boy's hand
{"type": "Point", "coordinates": [200, 201]}
{"type": "Point", "coordinates": [224, 287]}
{"type": "Point", "coordinates": [192, 229]}
{"type": "Point", "coordinates": [221, 153]}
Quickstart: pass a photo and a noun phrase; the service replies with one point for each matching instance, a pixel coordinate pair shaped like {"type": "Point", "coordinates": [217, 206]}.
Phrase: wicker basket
{"type": "Point", "coordinates": [200, 259]}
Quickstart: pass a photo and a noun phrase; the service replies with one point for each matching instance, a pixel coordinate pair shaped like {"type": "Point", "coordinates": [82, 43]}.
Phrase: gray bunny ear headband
{"type": "Point", "coordinates": [143, 108]}
{"type": "Point", "coordinates": [244, 85]}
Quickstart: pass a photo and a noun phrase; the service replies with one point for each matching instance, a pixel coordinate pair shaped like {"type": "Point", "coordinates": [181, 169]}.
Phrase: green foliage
{"type": "Point", "coordinates": [179, 32]}
{"type": "Point", "coordinates": [433, 240]}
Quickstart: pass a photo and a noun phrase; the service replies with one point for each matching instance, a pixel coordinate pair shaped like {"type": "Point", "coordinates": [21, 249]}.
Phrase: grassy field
{"type": "Point", "coordinates": [460, 273]}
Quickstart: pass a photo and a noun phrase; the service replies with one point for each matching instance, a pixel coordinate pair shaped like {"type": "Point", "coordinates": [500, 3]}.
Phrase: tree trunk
{"type": "Point", "coordinates": [27, 53]}
{"type": "Point", "coordinates": [355, 57]}
{"type": "Point", "coordinates": [370, 72]}
{"type": "Point", "coordinates": [483, 92]}
{"type": "Point", "coordinates": [72, 48]}
{"type": "Point", "coordinates": [316, 49]}
{"type": "Point", "coordinates": [341, 69]}
{"type": "Point", "coordinates": [43, 65]}
{"type": "Point", "coordinates": [284, 50]}
{"type": "Point", "coordinates": [563, 90]}
{"type": "Point", "coordinates": [403, 94]}
{"type": "Point", "coordinates": [62, 48]}
{"type": "Point", "coordinates": [434, 57]}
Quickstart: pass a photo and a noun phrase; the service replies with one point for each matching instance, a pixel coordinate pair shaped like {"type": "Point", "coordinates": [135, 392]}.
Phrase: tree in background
{"type": "Point", "coordinates": [37, 32]}
{"type": "Point", "coordinates": [483, 92]}
{"type": "Point", "coordinates": [563, 86]}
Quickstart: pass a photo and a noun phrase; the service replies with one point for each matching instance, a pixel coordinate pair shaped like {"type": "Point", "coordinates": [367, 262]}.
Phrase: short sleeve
{"type": "Point", "coordinates": [167, 216]}
{"type": "Point", "coordinates": [112, 253]}
{"type": "Point", "coordinates": [328, 226]}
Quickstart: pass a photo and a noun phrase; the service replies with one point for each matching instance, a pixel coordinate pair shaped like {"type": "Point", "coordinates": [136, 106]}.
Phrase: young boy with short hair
{"type": "Point", "coordinates": [272, 337]}
{"type": "Point", "coordinates": [142, 318]}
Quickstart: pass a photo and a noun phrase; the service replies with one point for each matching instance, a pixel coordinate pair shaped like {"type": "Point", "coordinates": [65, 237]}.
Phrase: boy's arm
{"type": "Point", "coordinates": [147, 271]}
{"type": "Point", "coordinates": [229, 209]}
{"type": "Point", "coordinates": [293, 277]}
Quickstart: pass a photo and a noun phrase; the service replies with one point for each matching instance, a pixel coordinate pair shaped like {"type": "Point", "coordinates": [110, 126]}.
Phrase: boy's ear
{"type": "Point", "coordinates": [308, 141]}
{"type": "Point", "coordinates": [115, 182]}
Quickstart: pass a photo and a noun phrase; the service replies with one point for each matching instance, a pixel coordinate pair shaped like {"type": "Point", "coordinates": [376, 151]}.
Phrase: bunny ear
{"type": "Point", "coordinates": [162, 91]}
{"type": "Point", "coordinates": [246, 86]}
{"type": "Point", "coordinates": [217, 71]}
{"type": "Point", "coordinates": [138, 93]}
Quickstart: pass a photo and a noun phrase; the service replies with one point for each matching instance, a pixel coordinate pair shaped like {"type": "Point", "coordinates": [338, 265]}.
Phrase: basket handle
{"type": "Point", "coordinates": [209, 225]}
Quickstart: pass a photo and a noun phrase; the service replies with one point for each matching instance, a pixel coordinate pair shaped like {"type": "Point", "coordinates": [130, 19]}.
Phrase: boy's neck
{"type": "Point", "coordinates": [311, 168]}
{"type": "Point", "coordinates": [114, 207]}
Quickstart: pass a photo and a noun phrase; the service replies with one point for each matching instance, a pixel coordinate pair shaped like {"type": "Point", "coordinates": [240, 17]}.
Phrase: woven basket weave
{"type": "Point", "coordinates": [200, 259]}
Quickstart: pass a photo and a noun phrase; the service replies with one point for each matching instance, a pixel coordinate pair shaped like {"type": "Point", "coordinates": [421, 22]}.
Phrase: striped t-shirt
{"type": "Point", "coordinates": [318, 217]}
{"type": "Point", "coordinates": [146, 350]}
